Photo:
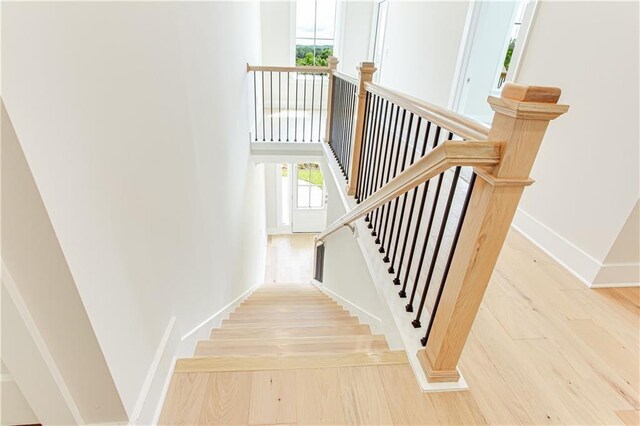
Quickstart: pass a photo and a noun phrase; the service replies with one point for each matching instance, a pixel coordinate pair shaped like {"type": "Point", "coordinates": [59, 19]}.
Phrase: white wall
{"type": "Point", "coordinates": [123, 111]}
{"type": "Point", "coordinates": [421, 43]}
{"type": "Point", "coordinates": [31, 253]}
{"type": "Point", "coordinates": [354, 34]}
{"type": "Point", "coordinates": [278, 32]}
{"type": "Point", "coordinates": [587, 169]}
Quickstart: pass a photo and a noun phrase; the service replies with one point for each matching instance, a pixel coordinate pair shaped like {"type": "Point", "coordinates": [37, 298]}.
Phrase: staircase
{"type": "Point", "coordinates": [289, 354]}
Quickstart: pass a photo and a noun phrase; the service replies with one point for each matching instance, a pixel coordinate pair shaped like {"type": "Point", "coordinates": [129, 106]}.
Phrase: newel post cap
{"type": "Point", "coordinates": [529, 102]}
{"type": "Point", "coordinates": [332, 62]}
{"type": "Point", "coordinates": [366, 70]}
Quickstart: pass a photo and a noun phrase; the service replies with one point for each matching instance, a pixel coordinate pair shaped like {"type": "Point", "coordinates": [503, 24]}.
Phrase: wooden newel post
{"type": "Point", "coordinates": [365, 75]}
{"type": "Point", "coordinates": [522, 115]}
{"type": "Point", "coordinates": [332, 62]}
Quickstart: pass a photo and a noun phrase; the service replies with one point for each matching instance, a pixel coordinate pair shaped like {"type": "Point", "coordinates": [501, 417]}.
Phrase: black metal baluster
{"type": "Point", "coordinates": [337, 148]}
{"type": "Point", "coordinates": [295, 117]}
{"type": "Point", "coordinates": [409, 307]}
{"type": "Point", "coordinates": [320, 110]}
{"type": "Point", "coordinates": [279, 103]}
{"type": "Point", "coordinates": [381, 168]}
{"type": "Point", "coordinates": [378, 163]}
{"type": "Point", "coordinates": [263, 118]}
{"type": "Point", "coordinates": [397, 199]}
{"type": "Point", "coordinates": [387, 154]}
{"type": "Point", "coordinates": [396, 157]}
{"type": "Point", "coordinates": [425, 192]}
{"type": "Point", "coordinates": [363, 144]}
{"type": "Point", "coordinates": [372, 146]}
{"type": "Point", "coordinates": [352, 104]}
{"type": "Point", "coordinates": [436, 250]}
{"type": "Point", "coordinates": [313, 99]}
{"type": "Point", "coordinates": [396, 280]}
{"type": "Point", "coordinates": [340, 133]}
{"type": "Point", "coordinates": [347, 123]}
{"type": "Point", "coordinates": [271, 102]}
{"type": "Point", "coordinates": [288, 106]}
{"type": "Point", "coordinates": [374, 150]}
{"type": "Point", "coordinates": [452, 251]}
{"type": "Point", "coordinates": [304, 107]}
{"type": "Point", "coordinates": [398, 234]}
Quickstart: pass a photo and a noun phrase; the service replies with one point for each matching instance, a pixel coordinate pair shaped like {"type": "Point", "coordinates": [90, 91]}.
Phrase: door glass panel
{"type": "Point", "coordinates": [310, 185]}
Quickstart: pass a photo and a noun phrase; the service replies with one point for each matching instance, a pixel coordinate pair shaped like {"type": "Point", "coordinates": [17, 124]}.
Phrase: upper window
{"type": "Point", "coordinates": [315, 29]}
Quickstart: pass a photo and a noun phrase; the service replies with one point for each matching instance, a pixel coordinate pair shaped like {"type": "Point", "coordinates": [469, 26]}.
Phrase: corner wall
{"type": "Point", "coordinates": [588, 166]}
{"type": "Point", "coordinates": [133, 120]}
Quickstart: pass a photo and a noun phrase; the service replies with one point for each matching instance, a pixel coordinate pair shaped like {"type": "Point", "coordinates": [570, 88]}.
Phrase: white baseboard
{"type": "Point", "coordinates": [183, 347]}
{"type": "Point", "coordinates": [584, 267]}
{"type": "Point", "coordinates": [54, 385]}
{"type": "Point", "coordinates": [362, 314]}
{"type": "Point", "coordinates": [145, 408]}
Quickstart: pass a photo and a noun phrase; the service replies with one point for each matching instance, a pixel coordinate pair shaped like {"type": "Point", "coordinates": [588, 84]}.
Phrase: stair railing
{"type": "Point", "coordinates": [290, 103]}
{"type": "Point", "coordinates": [438, 192]}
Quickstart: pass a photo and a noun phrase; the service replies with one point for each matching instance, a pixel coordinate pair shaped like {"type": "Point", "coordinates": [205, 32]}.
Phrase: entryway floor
{"type": "Point", "coordinates": [289, 258]}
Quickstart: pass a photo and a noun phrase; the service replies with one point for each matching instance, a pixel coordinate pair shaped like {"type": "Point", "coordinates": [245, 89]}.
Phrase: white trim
{"type": "Point", "coordinates": [151, 373]}
{"type": "Point", "coordinates": [38, 340]}
{"type": "Point", "coordinates": [6, 378]}
{"type": "Point", "coordinates": [221, 311]}
{"type": "Point", "coordinates": [163, 391]}
{"type": "Point", "coordinates": [617, 275]}
{"type": "Point", "coordinates": [523, 36]}
{"type": "Point", "coordinates": [583, 266]}
{"type": "Point", "coordinates": [187, 343]}
{"type": "Point", "coordinates": [362, 314]}
{"type": "Point", "coordinates": [462, 63]}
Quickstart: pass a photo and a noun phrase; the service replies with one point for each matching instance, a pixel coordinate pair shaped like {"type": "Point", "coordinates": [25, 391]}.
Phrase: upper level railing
{"type": "Point", "coordinates": [437, 191]}
{"type": "Point", "coordinates": [290, 103]}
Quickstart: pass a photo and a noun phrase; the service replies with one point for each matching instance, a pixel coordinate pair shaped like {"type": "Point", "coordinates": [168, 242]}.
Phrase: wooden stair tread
{"type": "Point", "coordinates": [284, 332]}
{"type": "Point", "coordinates": [291, 314]}
{"type": "Point", "coordinates": [287, 302]}
{"type": "Point", "coordinates": [287, 308]}
{"type": "Point", "coordinates": [287, 322]}
{"type": "Point", "coordinates": [254, 363]}
{"type": "Point", "coordinates": [291, 346]}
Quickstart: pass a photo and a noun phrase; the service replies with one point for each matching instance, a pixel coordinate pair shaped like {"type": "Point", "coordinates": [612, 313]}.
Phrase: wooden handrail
{"type": "Point", "coordinates": [448, 154]}
{"type": "Point", "coordinates": [311, 70]}
{"type": "Point", "coordinates": [346, 77]}
{"type": "Point", "coordinates": [460, 125]}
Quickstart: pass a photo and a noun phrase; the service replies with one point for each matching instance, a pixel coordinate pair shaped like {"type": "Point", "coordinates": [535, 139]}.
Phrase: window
{"type": "Point", "coordinates": [515, 30]}
{"type": "Point", "coordinates": [315, 28]}
{"type": "Point", "coordinates": [310, 186]}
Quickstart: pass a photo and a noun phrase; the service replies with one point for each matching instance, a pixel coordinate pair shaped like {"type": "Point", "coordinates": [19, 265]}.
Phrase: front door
{"type": "Point", "coordinates": [309, 213]}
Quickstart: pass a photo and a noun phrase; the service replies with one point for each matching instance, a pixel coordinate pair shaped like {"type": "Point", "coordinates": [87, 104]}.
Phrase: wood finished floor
{"type": "Point", "coordinates": [289, 258]}
{"type": "Point", "coordinates": [544, 349]}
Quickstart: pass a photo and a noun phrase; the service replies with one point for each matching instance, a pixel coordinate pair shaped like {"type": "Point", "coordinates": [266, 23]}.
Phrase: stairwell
{"type": "Point", "coordinates": [289, 354]}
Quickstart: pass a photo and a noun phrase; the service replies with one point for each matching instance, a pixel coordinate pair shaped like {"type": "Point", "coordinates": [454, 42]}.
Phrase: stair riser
{"type": "Point", "coordinates": [288, 315]}
{"type": "Point", "coordinates": [308, 322]}
{"type": "Point", "coordinates": [293, 349]}
{"type": "Point", "coordinates": [287, 309]}
{"type": "Point", "coordinates": [288, 302]}
{"type": "Point", "coordinates": [288, 332]}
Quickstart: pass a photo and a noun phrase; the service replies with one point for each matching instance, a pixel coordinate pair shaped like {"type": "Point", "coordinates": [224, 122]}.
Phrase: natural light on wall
{"type": "Point", "coordinates": [315, 29]}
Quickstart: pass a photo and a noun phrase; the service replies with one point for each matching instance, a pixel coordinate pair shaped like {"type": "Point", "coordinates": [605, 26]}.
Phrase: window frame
{"type": "Point", "coordinates": [315, 38]}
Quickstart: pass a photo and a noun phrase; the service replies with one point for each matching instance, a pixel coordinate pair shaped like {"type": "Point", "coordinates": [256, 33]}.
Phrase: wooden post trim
{"type": "Point", "coordinates": [521, 118]}
{"type": "Point", "coordinates": [332, 62]}
{"type": "Point", "coordinates": [365, 75]}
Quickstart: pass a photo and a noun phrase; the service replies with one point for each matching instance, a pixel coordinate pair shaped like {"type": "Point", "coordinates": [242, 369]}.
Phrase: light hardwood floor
{"type": "Point", "coordinates": [544, 349]}
{"type": "Point", "coordinates": [289, 258]}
